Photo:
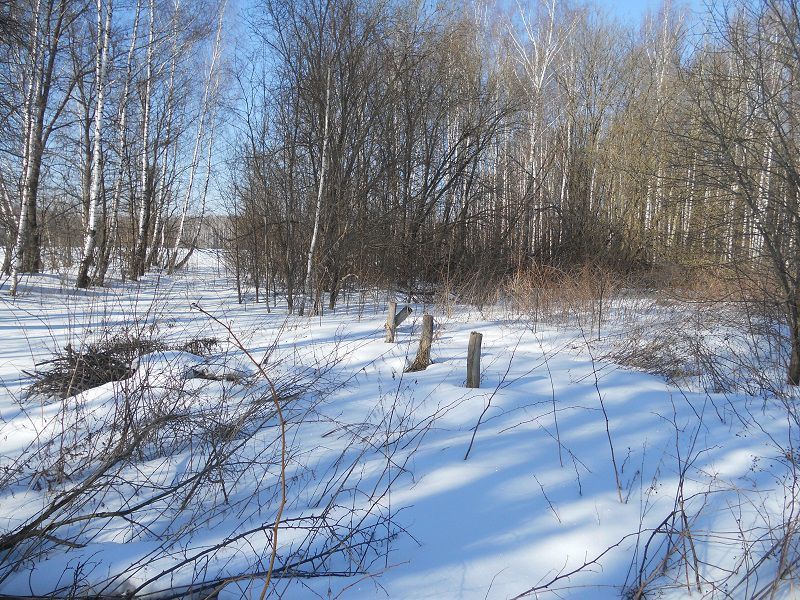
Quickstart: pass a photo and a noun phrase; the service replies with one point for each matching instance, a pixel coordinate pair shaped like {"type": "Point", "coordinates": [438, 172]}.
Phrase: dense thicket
{"type": "Point", "coordinates": [392, 143]}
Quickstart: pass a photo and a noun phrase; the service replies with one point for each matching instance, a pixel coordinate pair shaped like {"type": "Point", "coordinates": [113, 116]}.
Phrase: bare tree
{"type": "Point", "coordinates": [747, 148]}
{"type": "Point", "coordinates": [147, 170]}
{"type": "Point", "coordinates": [212, 82]}
{"type": "Point", "coordinates": [42, 107]}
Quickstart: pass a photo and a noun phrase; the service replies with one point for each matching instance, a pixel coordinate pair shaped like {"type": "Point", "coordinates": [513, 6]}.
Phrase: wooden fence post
{"type": "Point", "coordinates": [402, 315]}
{"type": "Point", "coordinates": [423, 358]}
{"type": "Point", "coordinates": [394, 318]}
{"type": "Point", "coordinates": [474, 360]}
{"type": "Point", "coordinates": [390, 323]}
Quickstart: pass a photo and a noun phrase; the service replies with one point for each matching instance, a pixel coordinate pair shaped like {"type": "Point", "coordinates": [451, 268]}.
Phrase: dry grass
{"type": "Point", "coordinates": [547, 295]}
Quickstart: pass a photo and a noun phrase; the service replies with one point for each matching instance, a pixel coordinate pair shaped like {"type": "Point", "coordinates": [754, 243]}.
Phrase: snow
{"type": "Point", "coordinates": [535, 499]}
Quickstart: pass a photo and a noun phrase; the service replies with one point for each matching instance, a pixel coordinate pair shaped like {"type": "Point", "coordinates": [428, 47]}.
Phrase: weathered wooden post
{"type": "Point", "coordinates": [474, 360]}
{"type": "Point", "coordinates": [394, 318]}
{"type": "Point", "coordinates": [402, 315]}
{"type": "Point", "coordinates": [423, 358]}
{"type": "Point", "coordinates": [390, 325]}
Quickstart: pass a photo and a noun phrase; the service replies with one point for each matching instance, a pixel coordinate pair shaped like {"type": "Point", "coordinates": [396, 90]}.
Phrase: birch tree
{"type": "Point", "coordinates": [50, 20]}
{"type": "Point", "coordinates": [146, 170]}
{"type": "Point", "coordinates": [211, 83]}
{"type": "Point", "coordinates": [121, 143]}
{"type": "Point", "coordinates": [101, 62]}
{"type": "Point", "coordinates": [320, 189]}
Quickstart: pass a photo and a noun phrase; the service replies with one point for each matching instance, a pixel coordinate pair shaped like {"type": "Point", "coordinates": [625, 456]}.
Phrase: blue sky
{"type": "Point", "coordinates": [631, 11]}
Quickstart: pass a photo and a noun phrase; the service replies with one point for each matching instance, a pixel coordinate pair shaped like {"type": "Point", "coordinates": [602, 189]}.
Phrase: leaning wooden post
{"type": "Point", "coordinates": [390, 322]}
{"type": "Point", "coordinates": [423, 358]}
{"type": "Point", "coordinates": [394, 318]}
{"type": "Point", "coordinates": [474, 360]}
{"type": "Point", "coordinates": [402, 315]}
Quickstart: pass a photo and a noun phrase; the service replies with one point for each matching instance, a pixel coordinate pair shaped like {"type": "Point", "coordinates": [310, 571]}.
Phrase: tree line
{"type": "Point", "coordinates": [107, 111]}
{"type": "Point", "coordinates": [401, 143]}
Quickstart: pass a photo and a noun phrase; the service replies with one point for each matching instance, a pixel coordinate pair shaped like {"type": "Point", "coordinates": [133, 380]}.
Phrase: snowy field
{"type": "Point", "coordinates": [564, 475]}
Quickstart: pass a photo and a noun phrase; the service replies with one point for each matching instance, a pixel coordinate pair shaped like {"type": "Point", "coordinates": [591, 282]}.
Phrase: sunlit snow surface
{"type": "Point", "coordinates": [535, 500]}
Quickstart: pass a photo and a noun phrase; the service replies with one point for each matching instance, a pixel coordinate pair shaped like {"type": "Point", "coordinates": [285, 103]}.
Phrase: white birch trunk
{"type": "Point", "coordinates": [7, 215]}
{"type": "Point", "coordinates": [30, 117]}
{"type": "Point", "coordinates": [155, 243]}
{"type": "Point", "coordinates": [140, 250]}
{"type": "Point", "coordinates": [687, 223]}
{"type": "Point", "coordinates": [759, 219]}
{"type": "Point", "coordinates": [199, 225]}
{"type": "Point", "coordinates": [320, 188]}
{"type": "Point", "coordinates": [121, 147]}
{"type": "Point", "coordinates": [198, 139]}
{"type": "Point", "coordinates": [90, 235]}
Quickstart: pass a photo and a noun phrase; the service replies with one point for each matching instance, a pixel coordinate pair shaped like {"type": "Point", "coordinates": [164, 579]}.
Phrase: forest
{"type": "Point", "coordinates": [399, 143]}
{"type": "Point", "coordinates": [620, 193]}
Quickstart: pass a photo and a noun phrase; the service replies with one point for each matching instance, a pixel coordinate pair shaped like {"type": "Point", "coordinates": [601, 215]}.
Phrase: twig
{"type": "Point", "coordinates": [282, 423]}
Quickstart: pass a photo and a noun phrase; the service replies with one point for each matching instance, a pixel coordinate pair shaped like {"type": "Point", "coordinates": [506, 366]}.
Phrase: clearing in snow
{"type": "Point", "coordinates": [564, 472]}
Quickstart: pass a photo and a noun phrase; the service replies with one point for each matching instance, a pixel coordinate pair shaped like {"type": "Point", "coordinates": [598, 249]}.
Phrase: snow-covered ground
{"type": "Point", "coordinates": [563, 473]}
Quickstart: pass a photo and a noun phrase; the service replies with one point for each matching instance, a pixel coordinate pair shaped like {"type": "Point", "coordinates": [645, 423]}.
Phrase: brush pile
{"type": "Point", "coordinates": [73, 371]}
